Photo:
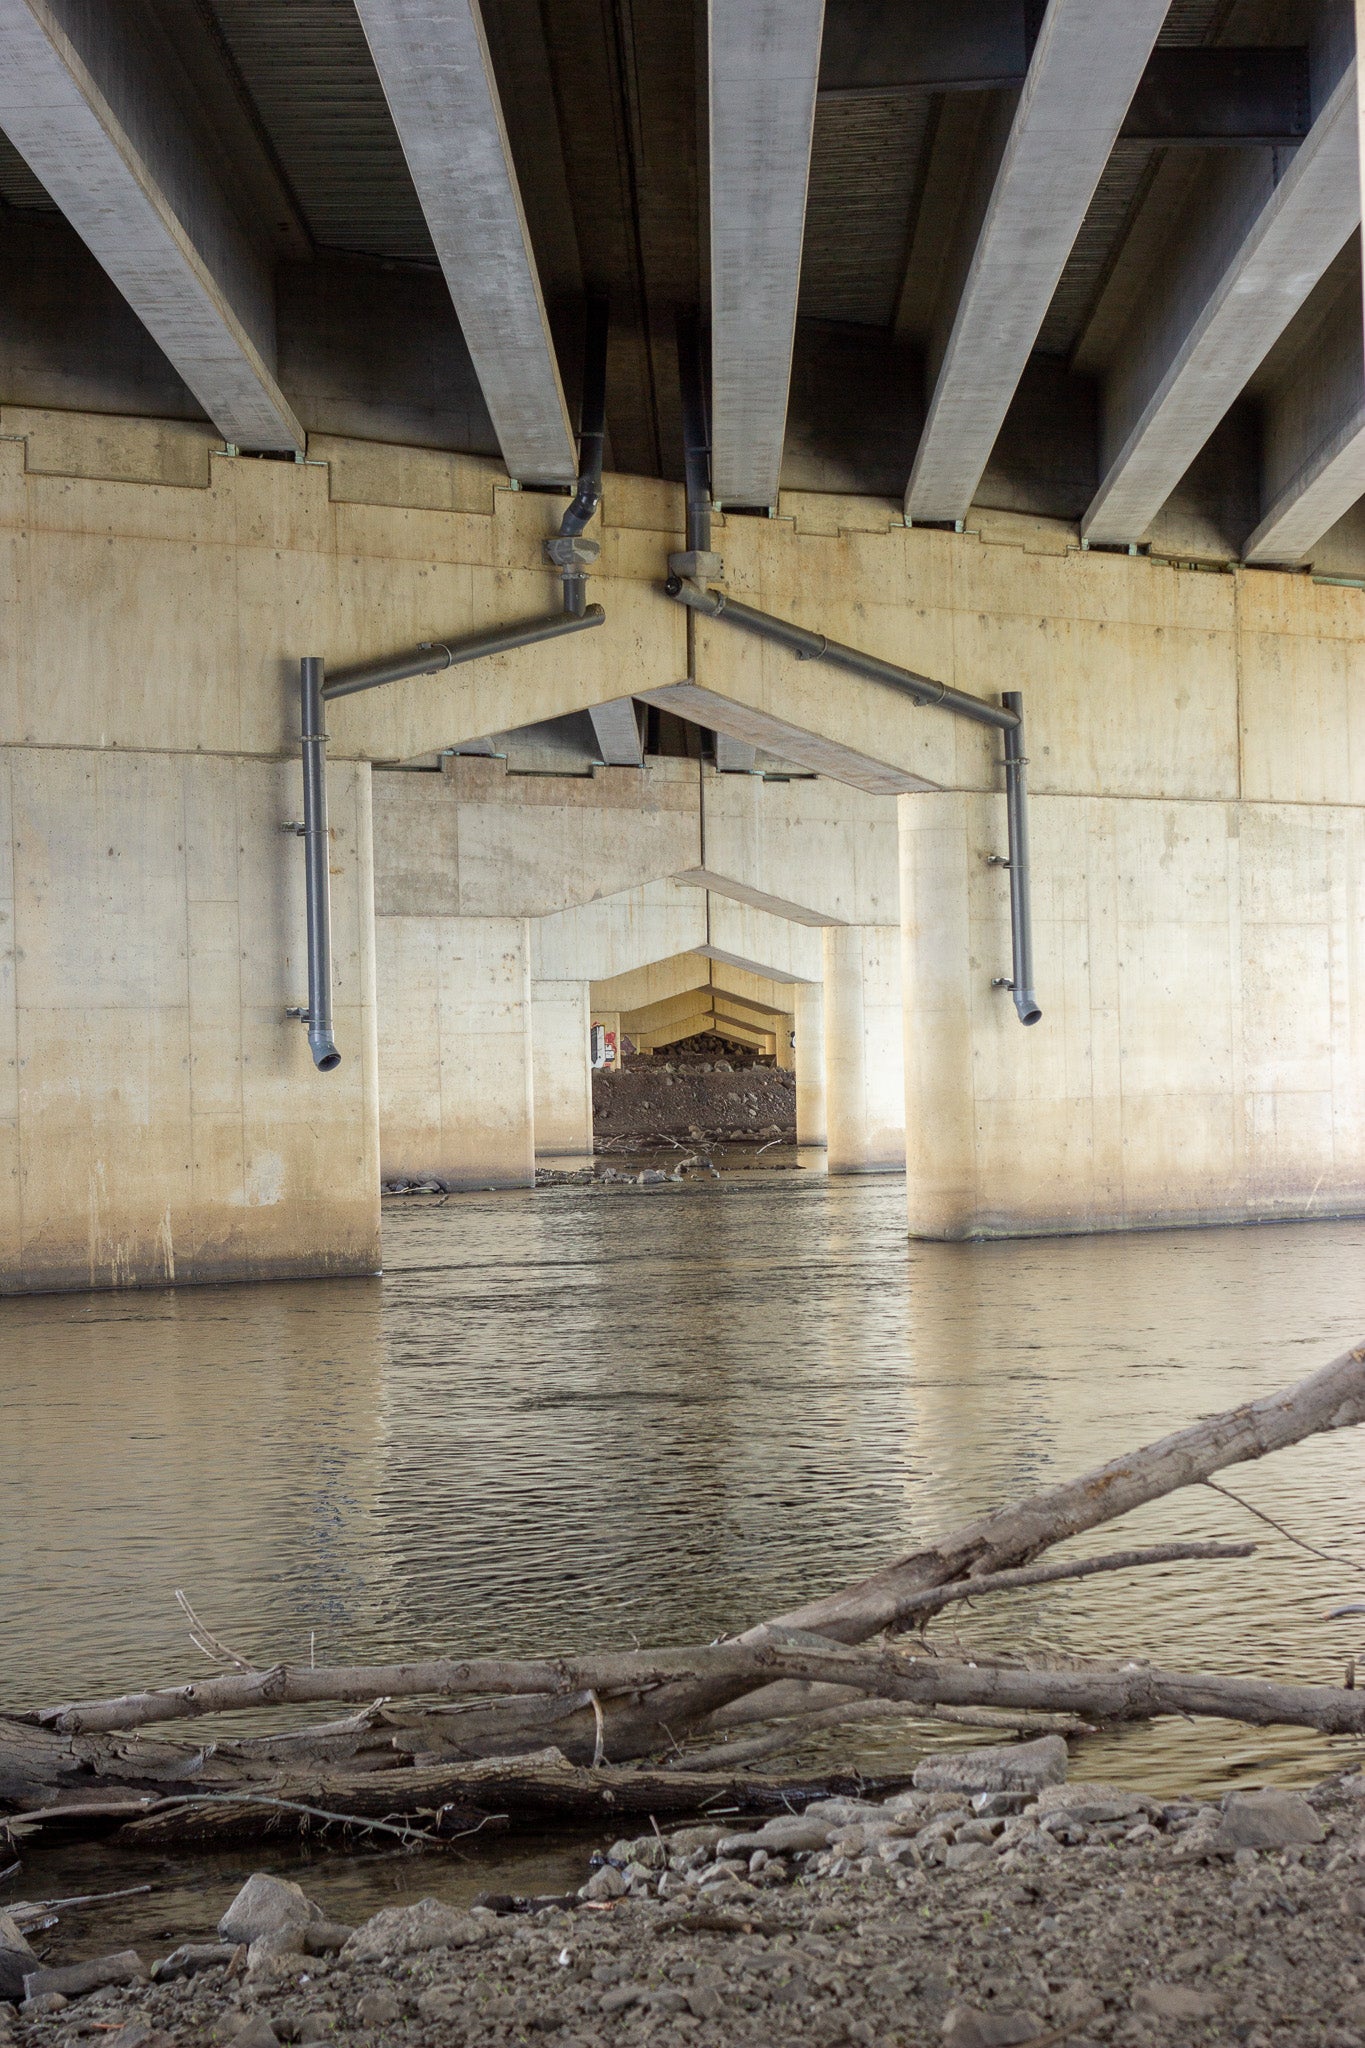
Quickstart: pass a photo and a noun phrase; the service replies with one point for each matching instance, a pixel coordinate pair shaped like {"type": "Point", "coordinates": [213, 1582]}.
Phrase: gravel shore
{"type": "Point", "coordinates": [1023, 1912]}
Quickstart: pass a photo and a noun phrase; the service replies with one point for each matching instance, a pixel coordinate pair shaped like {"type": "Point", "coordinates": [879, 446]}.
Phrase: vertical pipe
{"type": "Point", "coordinates": [591, 440]}
{"type": "Point", "coordinates": [696, 435]}
{"type": "Point", "coordinates": [317, 867]}
{"type": "Point", "coordinates": [1021, 921]}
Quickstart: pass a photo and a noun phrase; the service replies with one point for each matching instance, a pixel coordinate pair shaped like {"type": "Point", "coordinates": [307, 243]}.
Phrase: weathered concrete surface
{"type": "Point", "coordinates": [455, 1070]}
{"type": "Point", "coordinates": [482, 843]}
{"type": "Point", "coordinates": [160, 1117]}
{"type": "Point", "coordinates": [560, 1069]}
{"type": "Point", "coordinates": [808, 1026]}
{"type": "Point", "coordinates": [1202, 1051]}
{"type": "Point", "coordinates": [865, 1102]}
{"type": "Point", "coordinates": [1199, 1058]}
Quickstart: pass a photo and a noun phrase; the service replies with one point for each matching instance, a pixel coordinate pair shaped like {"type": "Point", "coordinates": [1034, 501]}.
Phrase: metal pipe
{"type": "Point", "coordinates": [317, 867]}
{"type": "Point", "coordinates": [591, 439]}
{"type": "Point", "coordinates": [1006, 717]}
{"type": "Point", "coordinates": [1021, 919]}
{"type": "Point", "coordinates": [696, 435]}
{"type": "Point", "coordinates": [808, 646]}
{"type": "Point", "coordinates": [432, 656]}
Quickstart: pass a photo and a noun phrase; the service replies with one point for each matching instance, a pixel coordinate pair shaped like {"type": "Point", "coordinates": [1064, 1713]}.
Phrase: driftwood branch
{"type": "Point", "coordinates": [928, 1602]}
{"type": "Point", "coordinates": [630, 1704]}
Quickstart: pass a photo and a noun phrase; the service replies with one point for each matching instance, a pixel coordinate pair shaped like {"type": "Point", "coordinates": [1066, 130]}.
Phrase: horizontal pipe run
{"type": "Point", "coordinates": [434, 656]}
{"type": "Point", "coordinates": [808, 646]}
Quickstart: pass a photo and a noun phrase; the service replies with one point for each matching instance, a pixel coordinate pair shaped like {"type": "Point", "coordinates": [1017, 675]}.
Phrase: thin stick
{"type": "Point", "coordinates": [12, 1871]}
{"type": "Point", "coordinates": [1262, 1516]}
{"type": "Point", "coordinates": [204, 1639]}
{"type": "Point", "coordinates": [33, 1909]}
{"type": "Point", "coordinates": [796, 1725]}
{"type": "Point", "coordinates": [348, 1820]}
{"type": "Point", "coordinates": [935, 1597]}
{"type": "Point", "coordinates": [599, 1748]}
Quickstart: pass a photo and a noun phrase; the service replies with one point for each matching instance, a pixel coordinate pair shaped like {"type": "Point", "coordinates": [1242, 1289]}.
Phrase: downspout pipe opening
{"type": "Point", "coordinates": [571, 554]}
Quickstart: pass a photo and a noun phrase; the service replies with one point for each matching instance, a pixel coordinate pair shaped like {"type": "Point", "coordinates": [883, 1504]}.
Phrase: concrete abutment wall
{"type": "Point", "coordinates": [1197, 750]}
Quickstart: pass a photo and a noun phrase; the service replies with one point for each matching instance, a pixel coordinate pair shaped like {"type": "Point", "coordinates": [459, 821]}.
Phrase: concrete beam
{"type": "Point", "coordinates": [83, 101]}
{"type": "Point", "coordinates": [433, 61]}
{"type": "Point", "coordinates": [1232, 290]}
{"type": "Point", "coordinates": [616, 728]}
{"type": "Point", "coordinates": [764, 66]}
{"type": "Point", "coordinates": [1313, 440]}
{"type": "Point", "coordinates": [793, 743]}
{"type": "Point", "coordinates": [758, 899]}
{"type": "Point", "coordinates": [1086, 65]}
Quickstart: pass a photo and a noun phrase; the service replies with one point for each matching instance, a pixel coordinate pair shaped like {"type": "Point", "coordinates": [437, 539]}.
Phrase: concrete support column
{"type": "Point", "coordinates": [864, 1068]}
{"type": "Point", "coordinates": [455, 1090]}
{"type": "Point", "coordinates": [160, 1117]}
{"type": "Point", "coordinates": [811, 1122]}
{"type": "Point", "coordinates": [940, 1139]}
{"type": "Point", "coordinates": [561, 1068]}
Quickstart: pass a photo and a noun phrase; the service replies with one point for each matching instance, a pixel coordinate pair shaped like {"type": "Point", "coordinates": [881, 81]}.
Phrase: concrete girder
{"type": "Point", "coordinates": [616, 729]}
{"type": "Point", "coordinates": [818, 752]}
{"type": "Point", "coordinates": [764, 67]}
{"type": "Point", "coordinates": [1179, 375]}
{"type": "Point", "coordinates": [83, 104]}
{"type": "Point", "coordinates": [433, 61]}
{"type": "Point", "coordinates": [1085, 68]}
{"type": "Point", "coordinates": [758, 899]}
{"type": "Point", "coordinates": [1313, 439]}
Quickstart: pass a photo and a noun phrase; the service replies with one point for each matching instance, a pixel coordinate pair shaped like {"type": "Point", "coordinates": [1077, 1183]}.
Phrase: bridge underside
{"type": "Point", "coordinates": [1020, 348]}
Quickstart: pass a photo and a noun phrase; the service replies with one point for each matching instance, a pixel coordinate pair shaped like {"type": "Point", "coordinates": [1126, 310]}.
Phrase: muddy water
{"type": "Point", "coordinates": [608, 1415]}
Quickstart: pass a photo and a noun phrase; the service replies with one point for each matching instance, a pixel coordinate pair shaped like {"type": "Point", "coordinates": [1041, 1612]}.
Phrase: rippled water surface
{"type": "Point", "coordinates": [599, 1416]}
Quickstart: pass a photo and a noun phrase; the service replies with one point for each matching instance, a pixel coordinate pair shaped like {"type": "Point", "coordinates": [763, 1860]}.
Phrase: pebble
{"type": "Point", "coordinates": [408, 1930]}
{"type": "Point", "coordinates": [1269, 1819]}
{"type": "Point", "coordinates": [999, 1767]}
{"type": "Point", "coordinates": [264, 1905]}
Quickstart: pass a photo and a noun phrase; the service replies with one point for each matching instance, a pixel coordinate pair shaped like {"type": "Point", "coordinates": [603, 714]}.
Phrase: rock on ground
{"type": "Point", "coordinates": [1113, 1920]}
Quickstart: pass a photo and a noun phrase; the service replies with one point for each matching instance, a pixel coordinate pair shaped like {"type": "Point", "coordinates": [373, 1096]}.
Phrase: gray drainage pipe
{"type": "Point", "coordinates": [432, 656]}
{"type": "Point", "coordinates": [317, 868]}
{"type": "Point", "coordinates": [428, 659]}
{"type": "Point", "coordinates": [1006, 717]}
{"type": "Point", "coordinates": [572, 555]}
{"type": "Point", "coordinates": [1021, 918]}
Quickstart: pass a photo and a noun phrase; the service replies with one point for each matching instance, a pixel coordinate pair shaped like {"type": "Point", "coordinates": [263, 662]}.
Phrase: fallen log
{"type": "Point", "coordinates": [623, 1705]}
{"type": "Point", "coordinates": [459, 1799]}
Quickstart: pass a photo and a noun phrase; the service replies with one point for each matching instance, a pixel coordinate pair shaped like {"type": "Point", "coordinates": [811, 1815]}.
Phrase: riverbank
{"type": "Point", "coordinates": [1030, 1913]}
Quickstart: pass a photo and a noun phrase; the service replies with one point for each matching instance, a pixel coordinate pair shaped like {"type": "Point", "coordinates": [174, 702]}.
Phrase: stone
{"type": "Point", "coordinates": [279, 1944]}
{"type": "Point", "coordinates": [263, 1906]}
{"type": "Point", "coordinates": [846, 1812]}
{"type": "Point", "coordinates": [788, 1836]}
{"type": "Point", "coordinates": [379, 2008]}
{"type": "Point", "coordinates": [14, 1967]}
{"type": "Point", "coordinates": [704, 2002]}
{"type": "Point", "coordinates": [962, 1854]}
{"type": "Point", "coordinates": [45, 2002]}
{"type": "Point", "coordinates": [74, 1980]}
{"type": "Point", "coordinates": [606, 1883]}
{"type": "Point", "coordinates": [408, 1930]}
{"type": "Point", "coordinates": [621, 1996]}
{"type": "Point", "coordinates": [12, 1936]}
{"type": "Point", "coordinates": [139, 2034]}
{"type": "Point", "coordinates": [326, 1937]}
{"type": "Point", "coordinates": [190, 1958]}
{"type": "Point", "coordinates": [1091, 1804]}
{"type": "Point", "coordinates": [686, 1840]}
{"type": "Point", "coordinates": [256, 2032]}
{"type": "Point", "coordinates": [1176, 2002]}
{"type": "Point", "coordinates": [965, 2027]}
{"type": "Point", "coordinates": [995, 1767]}
{"type": "Point", "coordinates": [1269, 1819]}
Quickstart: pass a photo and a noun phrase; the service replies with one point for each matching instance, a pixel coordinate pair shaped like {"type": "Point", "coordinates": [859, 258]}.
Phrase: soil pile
{"type": "Point", "coordinates": [721, 1094]}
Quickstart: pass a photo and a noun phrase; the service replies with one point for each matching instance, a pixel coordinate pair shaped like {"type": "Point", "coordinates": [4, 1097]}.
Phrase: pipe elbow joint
{"type": "Point", "coordinates": [323, 1047]}
{"type": "Point", "coordinates": [1026, 1003]}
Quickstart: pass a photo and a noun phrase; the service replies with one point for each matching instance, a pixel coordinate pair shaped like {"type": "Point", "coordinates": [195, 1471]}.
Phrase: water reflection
{"type": "Point", "coordinates": [595, 1416]}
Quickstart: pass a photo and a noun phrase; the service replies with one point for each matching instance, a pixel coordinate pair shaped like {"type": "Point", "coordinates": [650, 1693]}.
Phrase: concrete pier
{"type": "Point", "coordinates": [864, 1070]}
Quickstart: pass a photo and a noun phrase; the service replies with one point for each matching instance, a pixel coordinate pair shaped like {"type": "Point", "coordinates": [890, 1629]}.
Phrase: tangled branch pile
{"type": "Point", "coordinates": [453, 1744]}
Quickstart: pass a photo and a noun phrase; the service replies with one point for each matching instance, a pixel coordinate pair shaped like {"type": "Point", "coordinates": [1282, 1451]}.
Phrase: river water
{"type": "Point", "coordinates": [600, 1416]}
